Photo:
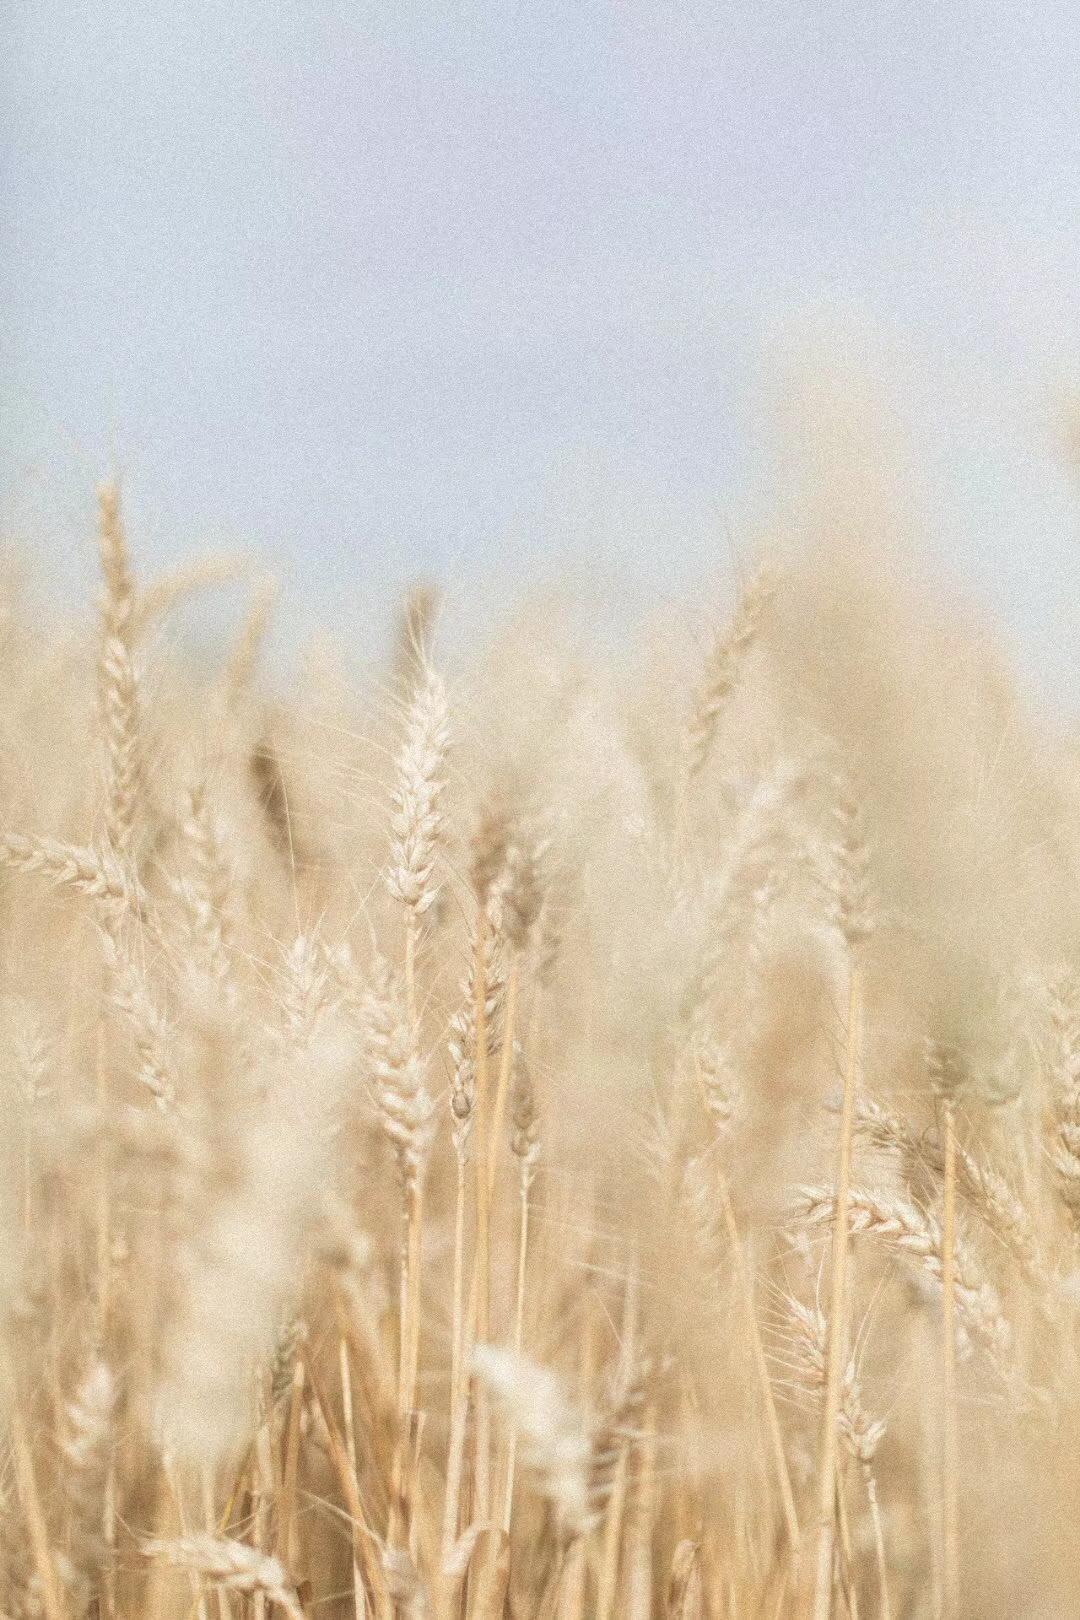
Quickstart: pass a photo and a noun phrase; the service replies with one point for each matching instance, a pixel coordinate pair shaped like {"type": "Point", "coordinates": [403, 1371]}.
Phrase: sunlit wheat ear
{"type": "Point", "coordinates": [556, 1443]}
{"type": "Point", "coordinates": [130, 994]}
{"type": "Point", "coordinates": [93, 873]}
{"type": "Point", "coordinates": [721, 671]}
{"type": "Point", "coordinates": [860, 1433]}
{"type": "Point", "coordinates": [718, 909]}
{"type": "Point", "coordinates": [416, 816]}
{"type": "Point", "coordinates": [232, 1565]}
{"type": "Point", "coordinates": [916, 1237]}
{"type": "Point", "coordinates": [619, 1424]}
{"type": "Point", "coordinates": [308, 989]}
{"type": "Point", "coordinates": [854, 902]}
{"type": "Point", "coordinates": [207, 893]}
{"type": "Point", "coordinates": [460, 1045]}
{"type": "Point", "coordinates": [524, 1120]}
{"type": "Point", "coordinates": [293, 1334]}
{"type": "Point", "coordinates": [988, 1191]}
{"type": "Point", "coordinates": [461, 1039]}
{"type": "Point", "coordinates": [551, 927]}
{"type": "Point", "coordinates": [398, 1073]}
{"type": "Point", "coordinates": [118, 688]}
{"type": "Point", "coordinates": [86, 1441]}
{"type": "Point", "coordinates": [697, 1193]}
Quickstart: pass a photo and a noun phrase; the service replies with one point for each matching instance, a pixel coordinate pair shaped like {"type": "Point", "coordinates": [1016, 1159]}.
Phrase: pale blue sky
{"type": "Point", "coordinates": [374, 288]}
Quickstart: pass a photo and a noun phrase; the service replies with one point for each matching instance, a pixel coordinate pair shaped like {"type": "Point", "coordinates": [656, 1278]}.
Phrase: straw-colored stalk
{"type": "Point", "coordinates": [640, 1521]}
{"type": "Point", "coordinates": [458, 1386]}
{"type": "Point", "coordinates": [479, 1308]}
{"type": "Point", "coordinates": [364, 1541]}
{"type": "Point", "coordinates": [30, 1498]}
{"type": "Point", "coordinates": [860, 1434]}
{"type": "Point", "coordinates": [525, 1144]}
{"type": "Point", "coordinates": [345, 1374]}
{"type": "Point", "coordinates": [620, 1448]}
{"type": "Point", "coordinates": [950, 1551]}
{"type": "Point", "coordinates": [761, 1372]}
{"type": "Point", "coordinates": [837, 1340]}
{"type": "Point", "coordinates": [399, 1075]}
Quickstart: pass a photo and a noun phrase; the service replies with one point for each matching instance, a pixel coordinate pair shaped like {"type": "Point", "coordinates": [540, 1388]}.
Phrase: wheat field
{"type": "Point", "coordinates": [539, 1130]}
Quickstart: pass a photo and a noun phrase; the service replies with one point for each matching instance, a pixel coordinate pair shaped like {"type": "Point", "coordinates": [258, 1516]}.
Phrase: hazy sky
{"type": "Point", "coordinates": [380, 287]}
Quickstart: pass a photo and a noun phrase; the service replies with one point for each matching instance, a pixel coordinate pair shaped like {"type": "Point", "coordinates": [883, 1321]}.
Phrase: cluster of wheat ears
{"type": "Point", "coordinates": [571, 1137]}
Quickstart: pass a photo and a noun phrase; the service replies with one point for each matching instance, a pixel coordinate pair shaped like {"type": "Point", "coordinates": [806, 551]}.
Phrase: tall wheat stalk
{"type": "Point", "coordinates": [951, 1444]}
{"type": "Point", "coordinates": [836, 1352]}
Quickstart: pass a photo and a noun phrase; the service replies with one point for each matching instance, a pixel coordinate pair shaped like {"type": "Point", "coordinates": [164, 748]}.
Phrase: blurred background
{"type": "Point", "coordinates": [500, 292]}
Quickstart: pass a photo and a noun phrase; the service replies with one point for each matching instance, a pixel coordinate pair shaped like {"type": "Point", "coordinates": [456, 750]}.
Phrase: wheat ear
{"type": "Point", "coordinates": [232, 1565]}
{"type": "Point", "coordinates": [860, 1433]}
{"type": "Point", "coordinates": [916, 1237]}
{"type": "Point", "coordinates": [118, 686]}
{"type": "Point", "coordinates": [721, 671]}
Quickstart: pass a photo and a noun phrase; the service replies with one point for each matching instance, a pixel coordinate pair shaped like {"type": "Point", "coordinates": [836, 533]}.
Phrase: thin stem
{"type": "Point", "coordinates": [761, 1369]}
{"type": "Point", "coordinates": [950, 1459]}
{"type": "Point", "coordinates": [289, 1471]}
{"type": "Point", "coordinates": [506, 1063]}
{"type": "Point", "coordinates": [345, 1374]}
{"type": "Point", "coordinates": [365, 1541]}
{"type": "Point", "coordinates": [612, 1541]}
{"type": "Point", "coordinates": [884, 1607]}
{"type": "Point", "coordinates": [408, 1348]}
{"type": "Point", "coordinates": [835, 1351]}
{"type": "Point", "coordinates": [206, 1481]}
{"type": "Point", "coordinates": [35, 1518]}
{"type": "Point", "coordinates": [455, 1457]}
{"type": "Point", "coordinates": [104, 1189]}
{"type": "Point", "coordinates": [519, 1341]}
{"type": "Point", "coordinates": [262, 1489]}
{"type": "Point", "coordinates": [846, 1561]}
{"type": "Point", "coordinates": [639, 1594]}
{"type": "Point", "coordinates": [480, 1305]}
{"type": "Point", "coordinates": [414, 1244]}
